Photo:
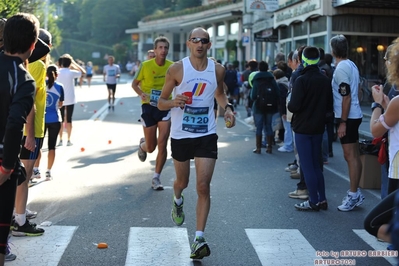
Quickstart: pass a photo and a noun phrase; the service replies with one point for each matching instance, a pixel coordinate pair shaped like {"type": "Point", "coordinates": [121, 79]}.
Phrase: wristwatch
{"type": "Point", "coordinates": [342, 121]}
{"type": "Point", "coordinates": [376, 105]}
{"type": "Point", "coordinates": [229, 105]}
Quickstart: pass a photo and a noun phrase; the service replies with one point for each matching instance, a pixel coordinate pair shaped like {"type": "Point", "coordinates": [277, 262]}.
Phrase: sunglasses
{"type": "Point", "coordinates": [198, 39]}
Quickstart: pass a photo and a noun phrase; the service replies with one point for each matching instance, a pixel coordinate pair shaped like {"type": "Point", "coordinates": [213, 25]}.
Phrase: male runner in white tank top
{"type": "Point", "coordinates": [193, 129]}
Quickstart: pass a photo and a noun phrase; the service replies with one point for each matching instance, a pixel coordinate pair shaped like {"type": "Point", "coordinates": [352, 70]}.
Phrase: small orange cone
{"type": "Point", "coordinates": [109, 141]}
{"type": "Point", "coordinates": [102, 245]}
{"type": "Point", "coordinates": [82, 149]}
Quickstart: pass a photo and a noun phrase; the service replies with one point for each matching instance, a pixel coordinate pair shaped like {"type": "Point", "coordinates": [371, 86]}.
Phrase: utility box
{"type": "Point", "coordinates": [371, 172]}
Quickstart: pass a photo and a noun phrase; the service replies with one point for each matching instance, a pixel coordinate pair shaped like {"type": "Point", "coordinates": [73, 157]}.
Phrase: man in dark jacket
{"type": "Point", "coordinates": [17, 89]}
{"type": "Point", "coordinates": [310, 102]}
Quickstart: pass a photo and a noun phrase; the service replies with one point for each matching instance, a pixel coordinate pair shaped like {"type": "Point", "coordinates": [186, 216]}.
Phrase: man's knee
{"type": "Point", "coordinates": [203, 188]}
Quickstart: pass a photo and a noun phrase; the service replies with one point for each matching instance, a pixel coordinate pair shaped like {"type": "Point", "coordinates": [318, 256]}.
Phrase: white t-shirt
{"type": "Point", "coordinates": [346, 72]}
{"type": "Point", "coordinates": [110, 73]}
{"type": "Point", "coordinates": [67, 77]}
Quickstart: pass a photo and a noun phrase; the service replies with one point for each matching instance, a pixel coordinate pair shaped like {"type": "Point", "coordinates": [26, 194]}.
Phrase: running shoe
{"type": "Point", "coordinates": [60, 143]}
{"type": "Point", "coordinates": [156, 184]}
{"type": "Point", "coordinates": [142, 154]}
{"type": "Point", "coordinates": [48, 176]}
{"type": "Point", "coordinates": [69, 143]}
{"type": "Point", "coordinates": [307, 206]}
{"type": "Point", "coordinates": [178, 213]}
{"type": "Point", "coordinates": [36, 174]}
{"type": "Point", "coordinates": [349, 202]}
{"type": "Point", "coordinates": [30, 214]}
{"type": "Point", "coordinates": [199, 249]}
{"type": "Point", "coordinates": [9, 256]}
{"type": "Point", "coordinates": [28, 229]}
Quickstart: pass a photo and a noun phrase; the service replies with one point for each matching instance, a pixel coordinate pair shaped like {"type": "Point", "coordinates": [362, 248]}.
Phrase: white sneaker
{"type": "Point", "coordinates": [36, 174]}
{"type": "Point", "coordinates": [69, 143]}
{"type": "Point", "coordinates": [156, 184]}
{"type": "Point", "coordinates": [48, 176]}
{"type": "Point", "coordinates": [349, 202]}
{"type": "Point", "coordinates": [30, 214]}
{"type": "Point", "coordinates": [60, 143]}
{"type": "Point", "coordinates": [283, 149]}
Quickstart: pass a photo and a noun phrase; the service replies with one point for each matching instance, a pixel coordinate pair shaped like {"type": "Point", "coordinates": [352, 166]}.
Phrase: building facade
{"type": "Point", "coordinates": [242, 30]}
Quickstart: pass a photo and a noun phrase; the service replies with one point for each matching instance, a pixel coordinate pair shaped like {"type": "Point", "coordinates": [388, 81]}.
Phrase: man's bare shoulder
{"type": "Point", "coordinates": [176, 68]}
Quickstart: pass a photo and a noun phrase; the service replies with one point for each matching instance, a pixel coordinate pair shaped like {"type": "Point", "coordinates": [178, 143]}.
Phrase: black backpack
{"type": "Point", "coordinates": [267, 100]}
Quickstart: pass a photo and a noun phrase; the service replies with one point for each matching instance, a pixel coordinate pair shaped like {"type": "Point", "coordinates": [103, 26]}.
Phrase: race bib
{"type": "Point", "coordinates": [154, 97]}
{"type": "Point", "coordinates": [195, 119]}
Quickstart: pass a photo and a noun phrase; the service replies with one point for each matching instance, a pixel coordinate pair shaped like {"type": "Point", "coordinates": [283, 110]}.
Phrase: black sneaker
{"type": "Point", "coordinates": [307, 206]}
{"type": "Point", "coordinates": [28, 229]}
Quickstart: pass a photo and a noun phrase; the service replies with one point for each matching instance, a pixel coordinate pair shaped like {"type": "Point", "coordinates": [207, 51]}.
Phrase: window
{"type": "Point", "coordinates": [318, 24]}
{"type": "Point", "coordinates": [300, 29]}
{"type": "Point", "coordinates": [234, 28]}
{"type": "Point", "coordinates": [221, 30]}
{"type": "Point", "coordinates": [285, 32]}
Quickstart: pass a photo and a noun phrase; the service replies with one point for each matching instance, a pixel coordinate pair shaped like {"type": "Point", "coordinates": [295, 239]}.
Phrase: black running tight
{"type": "Point", "coordinates": [380, 214]}
{"type": "Point", "coordinates": [7, 199]}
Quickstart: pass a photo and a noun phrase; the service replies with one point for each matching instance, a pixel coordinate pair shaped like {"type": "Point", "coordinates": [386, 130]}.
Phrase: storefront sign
{"type": "Point", "coordinates": [262, 25]}
{"type": "Point", "coordinates": [269, 35]}
{"type": "Point", "coordinates": [298, 10]}
{"type": "Point", "coordinates": [266, 5]}
{"type": "Point", "coordinates": [336, 3]}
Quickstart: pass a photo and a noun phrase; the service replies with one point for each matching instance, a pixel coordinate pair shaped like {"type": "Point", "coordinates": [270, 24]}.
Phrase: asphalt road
{"type": "Point", "coordinates": [101, 193]}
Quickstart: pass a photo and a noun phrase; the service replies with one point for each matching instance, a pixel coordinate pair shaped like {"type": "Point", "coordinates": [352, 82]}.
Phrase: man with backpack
{"type": "Point", "coordinates": [232, 84]}
{"type": "Point", "coordinates": [265, 94]}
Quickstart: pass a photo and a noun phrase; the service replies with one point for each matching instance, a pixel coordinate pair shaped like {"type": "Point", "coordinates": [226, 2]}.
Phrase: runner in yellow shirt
{"type": "Point", "coordinates": [147, 83]}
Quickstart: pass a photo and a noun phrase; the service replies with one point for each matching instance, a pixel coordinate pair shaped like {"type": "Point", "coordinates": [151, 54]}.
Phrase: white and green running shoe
{"type": "Point", "coordinates": [178, 213]}
{"type": "Point", "coordinates": [199, 249]}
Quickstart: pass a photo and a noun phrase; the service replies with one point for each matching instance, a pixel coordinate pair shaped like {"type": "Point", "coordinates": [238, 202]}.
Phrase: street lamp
{"type": "Point", "coordinates": [380, 48]}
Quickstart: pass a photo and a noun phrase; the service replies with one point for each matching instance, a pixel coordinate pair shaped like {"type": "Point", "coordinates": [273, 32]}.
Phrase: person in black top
{"type": "Point", "coordinates": [17, 90]}
{"type": "Point", "coordinates": [311, 101]}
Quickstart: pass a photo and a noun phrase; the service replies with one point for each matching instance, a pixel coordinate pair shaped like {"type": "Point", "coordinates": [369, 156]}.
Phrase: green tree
{"type": "Point", "coordinates": [85, 24]}
{"type": "Point", "coordinates": [68, 22]}
{"type": "Point", "coordinates": [183, 4]}
{"type": "Point", "coordinates": [11, 7]}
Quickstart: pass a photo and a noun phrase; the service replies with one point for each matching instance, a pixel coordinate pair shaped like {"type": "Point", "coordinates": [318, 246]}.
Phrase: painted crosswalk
{"type": "Point", "coordinates": [171, 246]}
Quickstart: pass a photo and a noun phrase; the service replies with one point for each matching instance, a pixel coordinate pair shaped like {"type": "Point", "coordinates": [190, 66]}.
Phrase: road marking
{"type": "Point", "coordinates": [158, 246]}
{"type": "Point", "coordinates": [41, 250]}
{"type": "Point", "coordinates": [281, 247]}
{"type": "Point", "coordinates": [374, 243]}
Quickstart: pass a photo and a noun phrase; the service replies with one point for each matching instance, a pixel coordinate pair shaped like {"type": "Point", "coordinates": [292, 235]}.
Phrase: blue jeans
{"type": "Point", "coordinates": [309, 150]}
{"type": "Point", "coordinates": [288, 139]}
{"type": "Point", "coordinates": [325, 149]}
{"type": "Point", "coordinates": [263, 120]}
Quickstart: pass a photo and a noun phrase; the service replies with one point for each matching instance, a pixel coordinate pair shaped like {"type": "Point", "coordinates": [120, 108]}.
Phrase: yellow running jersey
{"type": "Point", "coordinates": [38, 71]}
{"type": "Point", "coordinates": [152, 78]}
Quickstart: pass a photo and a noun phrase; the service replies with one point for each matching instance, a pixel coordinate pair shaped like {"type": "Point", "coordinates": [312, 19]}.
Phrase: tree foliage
{"type": "Point", "coordinates": [11, 7]}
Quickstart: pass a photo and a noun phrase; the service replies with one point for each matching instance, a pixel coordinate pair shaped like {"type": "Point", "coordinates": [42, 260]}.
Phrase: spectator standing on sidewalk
{"type": "Point", "coordinates": [19, 37]}
{"type": "Point", "coordinates": [283, 84]}
{"type": "Point", "coordinates": [55, 98]}
{"type": "Point", "coordinates": [69, 70]}
{"type": "Point", "coordinates": [348, 115]}
{"type": "Point", "coordinates": [311, 101]}
{"type": "Point", "coordinates": [33, 136]}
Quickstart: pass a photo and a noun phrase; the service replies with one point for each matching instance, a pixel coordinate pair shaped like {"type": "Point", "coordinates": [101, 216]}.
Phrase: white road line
{"type": "Point", "coordinates": [375, 244]}
{"type": "Point", "coordinates": [41, 250]}
{"type": "Point", "coordinates": [158, 246]}
{"type": "Point", "coordinates": [282, 247]}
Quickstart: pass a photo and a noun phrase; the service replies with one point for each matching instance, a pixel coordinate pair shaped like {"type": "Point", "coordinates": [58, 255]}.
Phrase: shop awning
{"type": "Point", "coordinates": [391, 4]}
